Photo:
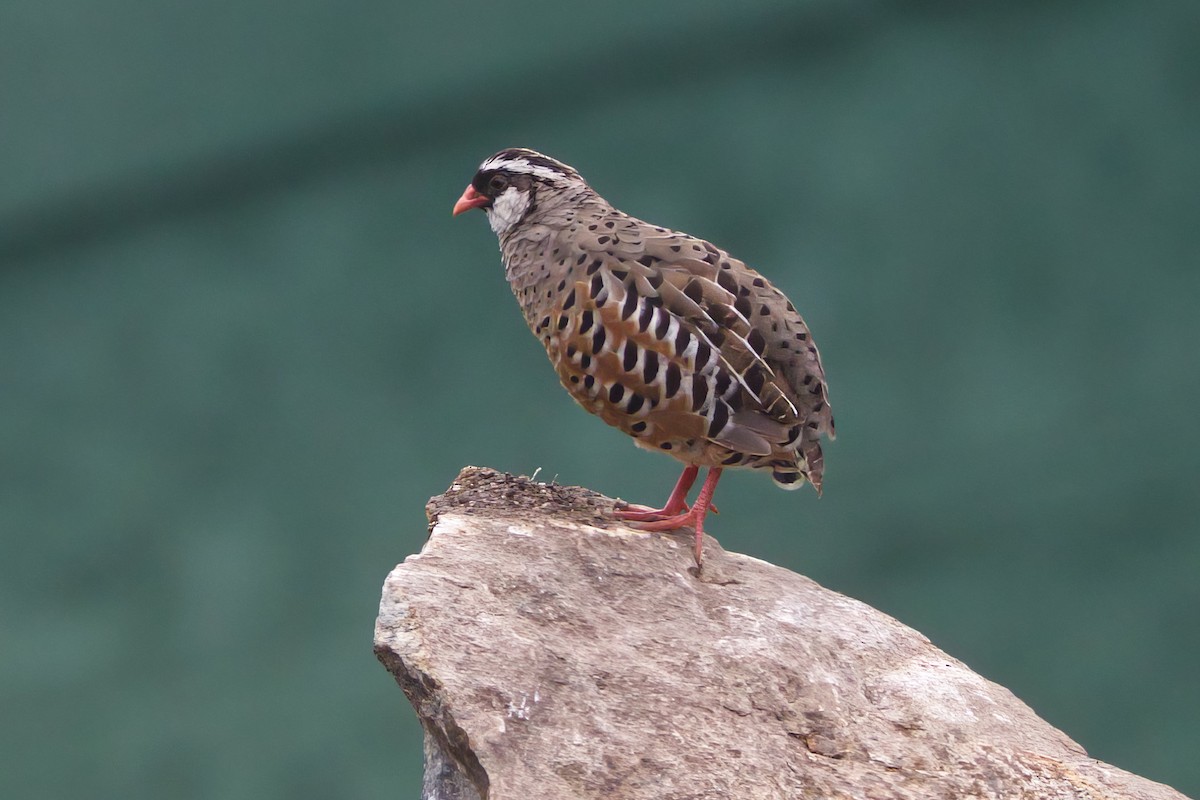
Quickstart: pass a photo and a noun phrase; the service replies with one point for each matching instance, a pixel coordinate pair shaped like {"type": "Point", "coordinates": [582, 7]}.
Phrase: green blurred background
{"type": "Point", "coordinates": [234, 362]}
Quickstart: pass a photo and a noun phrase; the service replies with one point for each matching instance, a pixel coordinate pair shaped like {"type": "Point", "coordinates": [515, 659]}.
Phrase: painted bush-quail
{"type": "Point", "coordinates": [660, 334]}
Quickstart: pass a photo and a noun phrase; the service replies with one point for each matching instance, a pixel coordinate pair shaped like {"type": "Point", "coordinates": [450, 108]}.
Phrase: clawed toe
{"type": "Point", "coordinates": [676, 513]}
{"type": "Point", "coordinates": [638, 513]}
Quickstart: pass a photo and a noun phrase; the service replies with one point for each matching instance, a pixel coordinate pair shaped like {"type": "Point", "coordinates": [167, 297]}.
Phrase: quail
{"type": "Point", "coordinates": [659, 333]}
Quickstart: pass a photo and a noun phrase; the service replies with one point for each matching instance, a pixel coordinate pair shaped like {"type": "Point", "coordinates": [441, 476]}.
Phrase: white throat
{"type": "Point", "coordinates": [507, 210]}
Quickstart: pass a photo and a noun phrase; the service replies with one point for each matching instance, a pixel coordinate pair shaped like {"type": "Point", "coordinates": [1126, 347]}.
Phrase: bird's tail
{"type": "Point", "coordinates": [809, 465]}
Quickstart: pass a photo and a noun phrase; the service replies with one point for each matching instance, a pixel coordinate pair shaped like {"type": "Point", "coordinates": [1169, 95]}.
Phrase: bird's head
{"type": "Point", "coordinates": [515, 185]}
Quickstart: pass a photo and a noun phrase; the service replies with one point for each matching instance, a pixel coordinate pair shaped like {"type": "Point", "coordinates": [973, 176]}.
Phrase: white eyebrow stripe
{"type": "Point", "coordinates": [520, 165]}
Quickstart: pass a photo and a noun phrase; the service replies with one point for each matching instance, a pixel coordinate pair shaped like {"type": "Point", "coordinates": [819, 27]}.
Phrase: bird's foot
{"type": "Point", "coordinates": [676, 513]}
{"type": "Point", "coordinates": [632, 512]}
{"type": "Point", "coordinates": [673, 522]}
{"type": "Point", "coordinates": [693, 518]}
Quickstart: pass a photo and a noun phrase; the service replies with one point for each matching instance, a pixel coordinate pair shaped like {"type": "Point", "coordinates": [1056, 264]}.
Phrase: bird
{"type": "Point", "coordinates": [659, 333]}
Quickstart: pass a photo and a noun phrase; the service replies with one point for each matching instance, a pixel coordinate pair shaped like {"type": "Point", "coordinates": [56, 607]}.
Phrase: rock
{"type": "Point", "coordinates": [552, 652]}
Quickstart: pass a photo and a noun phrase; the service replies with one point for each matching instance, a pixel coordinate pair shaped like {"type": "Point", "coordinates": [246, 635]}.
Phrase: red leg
{"type": "Point", "coordinates": [676, 503]}
{"type": "Point", "coordinates": [694, 517]}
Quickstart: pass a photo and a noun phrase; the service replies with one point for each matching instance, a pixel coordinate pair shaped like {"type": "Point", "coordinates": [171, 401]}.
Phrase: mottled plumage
{"type": "Point", "coordinates": [660, 334]}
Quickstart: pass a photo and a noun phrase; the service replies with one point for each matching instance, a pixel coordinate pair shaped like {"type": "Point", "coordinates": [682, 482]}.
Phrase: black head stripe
{"type": "Point", "coordinates": [520, 161]}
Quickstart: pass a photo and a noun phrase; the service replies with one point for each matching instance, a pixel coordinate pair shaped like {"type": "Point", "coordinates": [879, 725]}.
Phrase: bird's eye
{"type": "Point", "coordinates": [498, 183]}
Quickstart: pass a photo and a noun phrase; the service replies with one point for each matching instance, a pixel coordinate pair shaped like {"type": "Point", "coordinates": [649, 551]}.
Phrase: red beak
{"type": "Point", "coordinates": [470, 199]}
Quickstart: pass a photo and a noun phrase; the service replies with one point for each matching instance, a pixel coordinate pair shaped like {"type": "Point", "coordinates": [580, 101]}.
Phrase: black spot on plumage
{"type": "Point", "coordinates": [722, 383]}
{"type": "Point", "coordinates": [755, 379]}
{"type": "Point", "coordinates": [596, 286]}
{"type": "Point", "coordinates": [593, 227]}
{"type": "Point", "coordinates": [663, 325]}
{"type": "Point", "coordinates": [763, 311]}
{"type": "Point", "coordinates": [598, 338]}
{"type": "Point", "coordinates": [674, 248]}
{"type": "Point", "coordinates": [582, 258]}
{"type": "Point", "coordinates": [571, 351]}
{"type": "Point", "coordinates": [665, 446]}
{"type": "Point", "coordinates": [545, 323]}
{"type": "Point", "coordinates": [589, 381]}
{"type": "Point", "coordinates": [655, 279]}
{"type": "Point", "coordinates": [726, 282]}
{"type": "Point", "coordinates": [674, 376]}
{"type": "Point", "coordinates": [574, 379]}
{"type": "Point", "coordinates": [595, 266]}
{"type": "Point", "coordinates": [615, 393]}
{"type": "Point", "coordinates": [699, 391]}
{"type": "Point", "coordinates": [570, 301]}
{"type": "Point", "coordinates": [563, 319]}
{"type": "Point", "coordinates": [638, 427]}
{"type": "Point", "coordinates": [562, 284]}
{"type": "Point", "coordinates": [694, 291]}
{"type": "Point", "coordinates": [757, 341]}
{"type": "Point", "coordinates": [820, 406]}
{"type": "Point", "coordinates": [647, 261]}
{"type": "Point", "coordinates": [609, 224]}
{"type": "Point", "coordinates": [791, 307]}
{"type": "Point", "coordinates": [630, 356]}
{"type": "Point", "coordinates": [719, 418]}
{"type": "Point", "coordinates": [630, 304]}
{"type": "Point", "coordinates": [736, 458]}
{"type": "Point", "coordinates": [759, 282]}
{"type": "Point", "coordinates": [650, 367]}
{"type": "Point", "coordinates": [620, 274]}
{"type": "Point", "coordinates": [635, 403]}
{"type": "Point", "coordinates": [703, 352]}
{"type": "Point", "coordinates": [645, 317]}
{"type": "Point", "coordinates": [604, 239]}
{"type": "Point", "coordinates": [585, 361]}
{"type": "Point", "coordinates": [726, 265]}
{"type": "Point", "coordinates": [743, 306]}
{"type": "Point", "coordinates": [801, 336]}
{"type": "Point", "coordinates": [793, 435]}
{"type": "Point", "coordinates": [585, 321]}
{"type": "Point", "coordinates": [683, 338]}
